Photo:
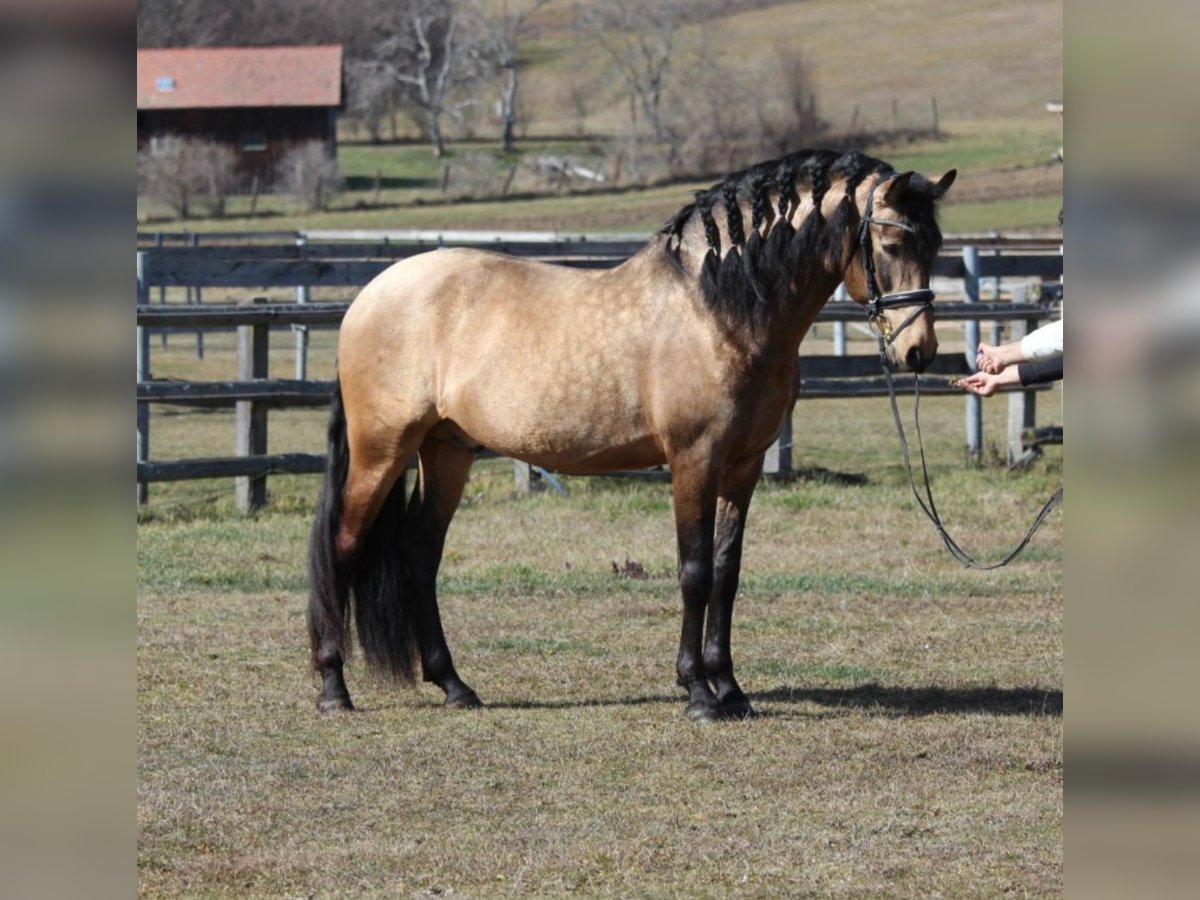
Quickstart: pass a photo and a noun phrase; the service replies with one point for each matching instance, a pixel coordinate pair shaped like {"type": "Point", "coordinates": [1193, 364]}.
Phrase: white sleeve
{"type": "Point", "coordinates": [1045, 341]}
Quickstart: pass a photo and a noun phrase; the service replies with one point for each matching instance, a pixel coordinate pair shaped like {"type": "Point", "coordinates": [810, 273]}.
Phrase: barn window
{"type": "Point", "coordinates": [164, 84]}
{"type": "Point", "coordinates": [255, 142]}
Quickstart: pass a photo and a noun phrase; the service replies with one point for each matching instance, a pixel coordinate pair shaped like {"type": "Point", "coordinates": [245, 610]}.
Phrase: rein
{"type": "Point", "coordinates": [922, 299]}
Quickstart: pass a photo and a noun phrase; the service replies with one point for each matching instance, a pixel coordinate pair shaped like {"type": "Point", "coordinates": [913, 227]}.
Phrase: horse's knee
{"type": "Point", "coordinates": [695, 580]}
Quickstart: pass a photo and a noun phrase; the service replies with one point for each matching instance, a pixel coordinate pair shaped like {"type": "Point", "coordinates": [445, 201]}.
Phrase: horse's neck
{"type": "Point", "coordinates": [795, 317]}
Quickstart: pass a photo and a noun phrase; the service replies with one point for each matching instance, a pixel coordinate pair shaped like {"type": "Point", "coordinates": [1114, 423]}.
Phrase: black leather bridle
{"type": "Point", "coordinates": [920, 298]}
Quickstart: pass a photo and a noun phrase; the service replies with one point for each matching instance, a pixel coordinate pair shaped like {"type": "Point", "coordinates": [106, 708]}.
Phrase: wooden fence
{"type": "Point", "coordinates": [302, 265]}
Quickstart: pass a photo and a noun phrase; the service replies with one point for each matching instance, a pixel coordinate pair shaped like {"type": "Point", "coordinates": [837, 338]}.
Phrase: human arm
{"type": "Point", "coordinates": [1038, 344]}
{"type": "Point", "coordinates": [1040, 371]}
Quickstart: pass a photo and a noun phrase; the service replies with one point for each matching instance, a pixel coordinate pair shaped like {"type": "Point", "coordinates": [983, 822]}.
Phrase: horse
{"type": "Point", "coordinates": [684, 354]}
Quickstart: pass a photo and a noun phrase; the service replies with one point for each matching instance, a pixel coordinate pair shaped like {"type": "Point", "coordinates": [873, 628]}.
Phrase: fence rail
{"type": "Point", "coordinates": [305, 265]}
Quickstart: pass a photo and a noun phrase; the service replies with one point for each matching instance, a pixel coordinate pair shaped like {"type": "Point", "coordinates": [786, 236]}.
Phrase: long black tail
{"type": "Point", "coordinates": [328, 588]}
{"type": "Point", "coordinates": [376, 575]}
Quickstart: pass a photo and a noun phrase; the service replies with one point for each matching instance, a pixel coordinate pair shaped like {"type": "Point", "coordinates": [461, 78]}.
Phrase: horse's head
{"type": "Point", "coordinates": [892, 260]}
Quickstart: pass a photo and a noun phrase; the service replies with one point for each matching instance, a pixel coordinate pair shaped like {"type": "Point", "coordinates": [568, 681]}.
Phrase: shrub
{"type": "Point", "coordinates": [187, 173]}
{"type": "Point", "coordinates": [309, 174]}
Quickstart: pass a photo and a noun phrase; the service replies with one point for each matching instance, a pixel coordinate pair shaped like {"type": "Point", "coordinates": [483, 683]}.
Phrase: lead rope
{"type": "Point", "coordinates": [930, 510]}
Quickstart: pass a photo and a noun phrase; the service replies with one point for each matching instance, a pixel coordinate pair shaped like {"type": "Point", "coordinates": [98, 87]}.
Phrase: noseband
{"type": "Point", "coordinates": [922, 298]}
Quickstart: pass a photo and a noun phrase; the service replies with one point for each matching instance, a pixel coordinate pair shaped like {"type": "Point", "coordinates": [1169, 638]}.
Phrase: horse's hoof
{"type": "Point", "coordinates": [739, 709]}
{"type": "Point", "coordinates": [328, 706]}
{"type": "Point", "coordinates": [703, 712]}
{"type": "Point", "coordinates": [466, 700]}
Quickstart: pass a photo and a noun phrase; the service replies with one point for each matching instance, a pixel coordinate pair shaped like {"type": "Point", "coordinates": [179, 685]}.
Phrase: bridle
{"type": "Point", "coordinates": [922, 300]}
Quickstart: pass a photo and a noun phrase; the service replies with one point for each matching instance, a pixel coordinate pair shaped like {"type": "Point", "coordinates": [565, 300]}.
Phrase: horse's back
{"type": "Point", "coordinates": [542, 362]}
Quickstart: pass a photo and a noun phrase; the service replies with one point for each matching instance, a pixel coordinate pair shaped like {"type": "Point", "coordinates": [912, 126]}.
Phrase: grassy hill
{"type": "Point", "coordinates": [874, 67]}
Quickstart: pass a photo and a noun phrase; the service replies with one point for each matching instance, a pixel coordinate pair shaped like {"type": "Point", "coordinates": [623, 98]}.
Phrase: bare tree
{"type": "Point", "coordinates": [184, 173]}
{"type": "Point", "coordinates": [793, 120]}
{"type": "Point", "coordinates": [308, 173]}
{"type": "Point", "coordinates": [370, 96]}
{"type": "Point", "coordinates": [640, 39]}
{"type": "Point", "coordinates": [427, 51]}
{"type": "Point", "coordinates": [501, 39]}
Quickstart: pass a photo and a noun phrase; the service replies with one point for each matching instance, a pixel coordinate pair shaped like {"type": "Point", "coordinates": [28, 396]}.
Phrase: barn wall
{"type": "Point", "coordinates": [258, 136]}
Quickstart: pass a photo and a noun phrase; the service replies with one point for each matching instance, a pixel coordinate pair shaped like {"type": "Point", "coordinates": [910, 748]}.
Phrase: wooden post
{"type": "Point", "coordinates": [142, 451]}
{"type": "Point", "coordinates": [162, 290]}
{"type": "Point", "coordinates": [933, 112]}
{"type": "Point", "coordinates": [974, 412]}
{"type": "Point", "coordinates": [199, 334]}
{"type": "Point", "coordinates": [302, 297]}
{"type": "Point", "coordinates": [778, 460]}
{"type": "Point", "coordinates": [1022, 405]}
{"type": "Point", "coordinates": [250, 429]}
{"type": "Point", "coordinates": [522, 476]}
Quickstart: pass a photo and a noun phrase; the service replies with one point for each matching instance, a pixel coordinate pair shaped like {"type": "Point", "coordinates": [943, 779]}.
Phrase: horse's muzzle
{"type": "Point", "coordinates": [916, 360]}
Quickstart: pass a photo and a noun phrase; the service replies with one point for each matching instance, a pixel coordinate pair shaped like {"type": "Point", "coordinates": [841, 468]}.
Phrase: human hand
{"type": "Point", "coordinates": [995, 358]}
{"type": "Point", "coordinates": [984, 384]}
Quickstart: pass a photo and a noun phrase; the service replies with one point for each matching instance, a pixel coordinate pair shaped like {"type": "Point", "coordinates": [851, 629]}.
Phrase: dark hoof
{"type": "Point", "coordinates": [327, 706]}
{"type": "Point", "coordinates": [739, 709]}
{"type": "Point", "coordinates": [465, 700]}
{"type": "Point", "coordinates": [703, 712]}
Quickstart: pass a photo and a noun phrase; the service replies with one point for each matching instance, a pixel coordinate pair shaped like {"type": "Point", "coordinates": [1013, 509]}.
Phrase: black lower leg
{"type": "Point", "coordinates": [334, 696]}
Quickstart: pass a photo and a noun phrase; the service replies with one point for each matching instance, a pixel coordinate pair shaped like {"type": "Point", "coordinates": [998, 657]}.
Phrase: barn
{"type": "Point", "coordinates": [259, 101]}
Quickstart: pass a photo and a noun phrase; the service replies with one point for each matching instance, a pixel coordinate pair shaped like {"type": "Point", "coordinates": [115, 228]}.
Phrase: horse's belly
{"type": "Point", "coordinates": [581, 434]}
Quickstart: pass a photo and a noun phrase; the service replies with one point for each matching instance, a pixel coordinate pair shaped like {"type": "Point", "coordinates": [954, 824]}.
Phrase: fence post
{"type": "Point", "coordinates": [974, 417]}
{"type": "Point", "coordinates": [142, 452]}
{"type": "Point", "coordinates": [302, 296]}
{"type": "Point", "coordinates": [250, 426]}
{"type": "Point", "coordinates": [193, 296]}
{"type": "Point", "coordinates": [1022, 405]}
{"type": "Point", "coordinates": [522, 476]}
{"type": "Point", "coordinates": [839, 328]}
{"type": "Point", "coordinates": [778, 460]}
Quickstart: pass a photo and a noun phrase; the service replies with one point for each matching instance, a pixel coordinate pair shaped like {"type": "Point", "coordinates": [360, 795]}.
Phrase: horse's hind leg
{"type": "Point", "coordinates": [444, 469]}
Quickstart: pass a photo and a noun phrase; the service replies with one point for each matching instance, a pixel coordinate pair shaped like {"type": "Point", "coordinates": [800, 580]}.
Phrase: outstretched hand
{"type": "Point", "coordinates": [984, 384]}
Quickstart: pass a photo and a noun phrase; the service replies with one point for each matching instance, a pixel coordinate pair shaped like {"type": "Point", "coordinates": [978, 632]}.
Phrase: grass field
{"type": "Point", "coordinates": [911, 737]}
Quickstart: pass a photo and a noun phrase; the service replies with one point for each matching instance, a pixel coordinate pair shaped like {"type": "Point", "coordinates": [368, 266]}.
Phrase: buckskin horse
{"type": "Point", "coordinates": [685, 354]}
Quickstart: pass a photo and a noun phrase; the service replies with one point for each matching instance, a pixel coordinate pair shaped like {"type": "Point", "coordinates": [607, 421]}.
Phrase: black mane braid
{"type": "Point", "coordinates": [762, 266]}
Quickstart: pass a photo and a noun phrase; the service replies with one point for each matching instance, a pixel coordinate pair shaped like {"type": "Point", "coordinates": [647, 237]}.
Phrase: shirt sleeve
{"type": "Point", "coordinates": [1045, 341]}
{"type": "Point", "coordinates": [1041, 371]}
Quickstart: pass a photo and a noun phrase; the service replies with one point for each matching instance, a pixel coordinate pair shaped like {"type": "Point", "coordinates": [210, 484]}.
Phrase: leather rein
{"type": "Point", "coordinates": [922, 300]}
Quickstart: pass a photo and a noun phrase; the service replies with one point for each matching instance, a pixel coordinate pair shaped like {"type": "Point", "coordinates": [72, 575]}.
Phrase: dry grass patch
{"type": "Point", "coordinates": [911, 738]}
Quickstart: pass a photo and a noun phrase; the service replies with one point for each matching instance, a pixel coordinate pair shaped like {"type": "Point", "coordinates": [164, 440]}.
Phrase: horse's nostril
{"type": "Point", "coordinates": [916, 361]}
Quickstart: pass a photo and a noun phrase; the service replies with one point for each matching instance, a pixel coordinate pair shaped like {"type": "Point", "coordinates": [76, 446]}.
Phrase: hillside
{"type": "Point", "coordinates": [873, 67]}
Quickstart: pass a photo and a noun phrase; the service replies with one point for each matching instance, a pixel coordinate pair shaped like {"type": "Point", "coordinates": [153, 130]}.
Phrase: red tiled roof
{"type": "Point", "coordinates": [208, 77]}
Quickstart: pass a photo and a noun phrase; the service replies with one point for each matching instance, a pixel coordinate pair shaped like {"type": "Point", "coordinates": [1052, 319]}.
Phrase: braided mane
{"type": "Point", "coordinates": [762, 265]}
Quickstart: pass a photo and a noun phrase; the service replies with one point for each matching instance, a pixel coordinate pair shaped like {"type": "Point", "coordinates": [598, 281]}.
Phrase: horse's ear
{"type": "Point", "coordinates": [943, 183]}
{"type": "Point", "coordinates": [896, 188]}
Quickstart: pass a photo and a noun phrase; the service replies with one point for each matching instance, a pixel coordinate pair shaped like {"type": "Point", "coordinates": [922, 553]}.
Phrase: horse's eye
{"type": "Point", "coordinates": [891, 249]}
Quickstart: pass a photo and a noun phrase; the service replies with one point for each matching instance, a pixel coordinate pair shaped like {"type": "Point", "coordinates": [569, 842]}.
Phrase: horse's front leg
{"type": "Point", "coordinates": [695, 487]}
{"type": "Point", "coordinates": [733, 500]}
